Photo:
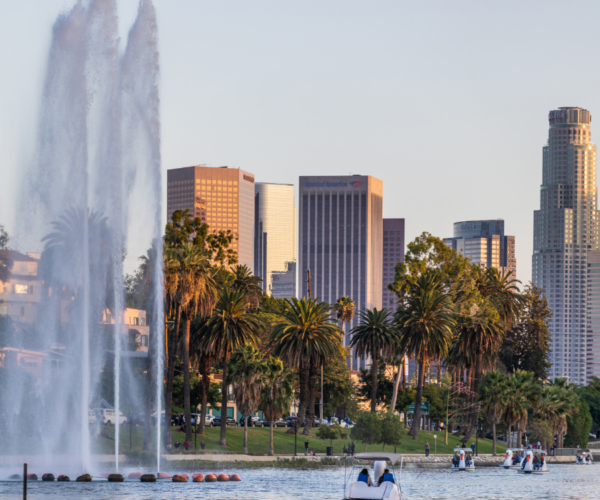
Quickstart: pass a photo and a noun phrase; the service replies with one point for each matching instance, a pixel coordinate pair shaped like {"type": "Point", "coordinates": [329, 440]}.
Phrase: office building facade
{"type": "Point", "coordinates": [341, 239]}
{"type": "Point", "coordinates": [222, 197]}
{"type": "Point", "coordinates": [393, 252]}
{"type": "Point", "coordinates": [484, 243]}
{"type": "Point", "coordinates": [275, 238]}
{"type": "Point", "coordinates": [565, 235]}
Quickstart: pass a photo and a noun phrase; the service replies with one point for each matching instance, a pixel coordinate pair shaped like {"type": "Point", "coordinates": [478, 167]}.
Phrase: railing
{"type": "Point", "coordinates": [565, 452]}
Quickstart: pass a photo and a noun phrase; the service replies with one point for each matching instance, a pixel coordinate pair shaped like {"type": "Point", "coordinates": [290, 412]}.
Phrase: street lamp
{"type": "Point", "coordinates": [295, 438]}
{"type": "Point", "coordinates": [435, 438]}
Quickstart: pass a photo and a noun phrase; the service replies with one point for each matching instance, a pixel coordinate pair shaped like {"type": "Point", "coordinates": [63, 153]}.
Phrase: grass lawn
{"type": "Point", "coordinates": [258, 442]}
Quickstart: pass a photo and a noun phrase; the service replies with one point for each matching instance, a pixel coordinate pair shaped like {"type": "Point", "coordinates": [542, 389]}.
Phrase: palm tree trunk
{"type": "Point", "coordinates": [186, 378]}
{"type": "Point", "coordinates": [439, 372]}
{"type": "Point", "coordinates": [395, 390]}
{"type": "Point", "coordinates": [374, 373]}
{"type": "Point", "coordinates": [404, 373]}
{"type": "Point", "coordinates": [170, 375]}
{"type": "Point", "coordinates": [205, 387]}
{"type": "Point", "coordinates": [303, 382]}
{"type": "Point", "coordinates": [271, 452]}
{"type": "Point", "coordinates": [508, 438]}
{"type": "Point", "coordinates": [494, 439]}
{"type": "Point", "coordinates": [414, 428]}
{"type": "Point", "coordinates": [312, 391]}
{"type": "Point", "coordinates": [152, 351]}
{"type": "Point", "coordinates": [245, 435]}
{"type": "Point", "coordinates": [224, 395]}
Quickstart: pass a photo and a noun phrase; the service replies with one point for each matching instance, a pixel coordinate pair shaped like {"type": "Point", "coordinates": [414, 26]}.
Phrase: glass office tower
{"type": "Point", "coordinates": [340, 239]}
{"type": "Point", "coordinates": [275, 238]}
{"type": "Point", "coordinates": [222, 197]}
{"type": "Point", "coordinates": [565, 233]}
{"type": "Point", "coordinates": [393, 252]}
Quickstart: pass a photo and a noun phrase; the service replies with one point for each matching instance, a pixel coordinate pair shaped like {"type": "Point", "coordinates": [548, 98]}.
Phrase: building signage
{"type": "Point", "coordinates": [356, 184]}
{"type": "Point", "coordinates": [248, 178]}
{"type": "Point", "coordinates": [468, 226]}
{"type": "Point", "coordinates": [424, 408]}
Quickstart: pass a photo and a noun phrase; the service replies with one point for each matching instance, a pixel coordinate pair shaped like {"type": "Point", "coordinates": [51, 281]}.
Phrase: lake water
{"type": "Point", "coordinates": [418, 482]}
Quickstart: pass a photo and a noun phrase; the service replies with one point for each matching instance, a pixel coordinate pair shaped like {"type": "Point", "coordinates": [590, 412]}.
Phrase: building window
{"type": "Point", "coordinates": [144, 340]}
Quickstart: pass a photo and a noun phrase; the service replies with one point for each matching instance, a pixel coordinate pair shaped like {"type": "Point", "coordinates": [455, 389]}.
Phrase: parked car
{"type": "Point", "coordinates": [290, 421]}
{"type": "Point", "coordinates": [208, 420]}
{"type": "Point", "coordinates": [108, 416]}
{"type": "Point", "coordinates": [252, 422]}
{"type": "Point", "coordinates": [137, 419]}
{"type": "Point", "coordinates": [279, 423]}
{"type": "Point", "coordinates": [230, 422]}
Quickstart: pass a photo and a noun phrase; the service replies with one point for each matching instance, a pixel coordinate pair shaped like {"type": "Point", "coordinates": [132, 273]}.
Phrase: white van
{"type": "Point", "coordinates": [108, 417]}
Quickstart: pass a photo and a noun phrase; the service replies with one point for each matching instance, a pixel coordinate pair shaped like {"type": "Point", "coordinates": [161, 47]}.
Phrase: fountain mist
{"type": "Point", "coordinates": [84, 198]}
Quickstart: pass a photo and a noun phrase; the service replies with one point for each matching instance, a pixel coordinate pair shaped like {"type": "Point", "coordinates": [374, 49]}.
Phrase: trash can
{"type": "Point", "coordinates": [330, 451]}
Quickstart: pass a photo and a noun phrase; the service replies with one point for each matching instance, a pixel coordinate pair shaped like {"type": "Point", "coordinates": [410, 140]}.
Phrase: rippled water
{"type": "Point", "coordinates": [418, 482]}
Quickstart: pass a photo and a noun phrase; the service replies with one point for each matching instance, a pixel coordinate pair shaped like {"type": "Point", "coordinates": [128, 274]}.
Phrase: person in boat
{"type": "Point", "coordinates": [536, 463]}
{"type": "Point", "coordinates": [365, 478]}
{"type": "Point", "coordinates": [386, 477]}
{"type": "Point", "coordinates": [455, 460]}
{"type": "Point", "coordinates": [468, 461]}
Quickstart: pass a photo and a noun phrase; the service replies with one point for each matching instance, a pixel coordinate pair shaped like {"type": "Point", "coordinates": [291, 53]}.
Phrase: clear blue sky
{"type": "Point", "coordinates": [446, 102]}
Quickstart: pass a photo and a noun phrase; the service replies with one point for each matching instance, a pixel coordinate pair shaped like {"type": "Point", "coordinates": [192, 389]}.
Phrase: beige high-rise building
{"type": "Point", "coordinates": [222, 197]}
{"type": "Point", "coordinates": [565, 244]}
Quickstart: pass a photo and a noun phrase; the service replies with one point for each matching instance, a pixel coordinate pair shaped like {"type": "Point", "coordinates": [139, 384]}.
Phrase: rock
{"type": "Point", "coordinates": [179, 479]}
{"type": "Point", "coordinates": [198, 477]}
{"type": "Point", "coordinates": [48, 477]}
{"type": "Point", "coordinates": [148, 478]}
{"type": "Point", "coordinates": [211, 478]}
{"type": "Point", "coordinates": [135, 475]}
{"type": "Point", "coordinates": [63, 478]}
{"type": "Point", "coordinates": [32, 477]}
{"type": "Point", "coordinates": [223, 478]}
{"type": "Point", "coordinates": [235, 477]}
{"type": "Point", "coordinates": [84, 478]}
{"type": "Point", "coordinates": [115, 478]}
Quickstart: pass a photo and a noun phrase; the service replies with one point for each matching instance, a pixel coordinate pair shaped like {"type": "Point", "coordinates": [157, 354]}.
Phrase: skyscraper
{"type": "Point", "coordinates": [565, 232]}
{"type": "Point", "coordinates": [341, 237]}
{"type": "Point", "coordinates": [275, 238]}
{"type": "Point", "coordinates": [393, 252]}
{"type": "Point", "coordinates": [222, 197]}
{"type": "Point", "coordinates": [484, 243]}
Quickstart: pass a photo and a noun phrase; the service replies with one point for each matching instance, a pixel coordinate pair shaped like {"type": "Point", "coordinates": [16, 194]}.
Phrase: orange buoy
{"type": "Point", "coordinates": [179, 479]}
{"type": "Point", "coordinates": [211, 478]}
{"type": "Point", "coordinates": [64, 478]}
{"type": "Point", "coordinates": [198, 477]}
{"type": "Point", "coordinates": [32, 477]}
{"type": "Point", "coordinates": [223, 477]}
{"type": "Point", "coordinates": [163, 475]}
{"type": "Point", "coordinates": [47, 477]}
{"type": "Point", "coordinates": [235, 477]}
{"type": "Point", "coordinates": [135, 475]}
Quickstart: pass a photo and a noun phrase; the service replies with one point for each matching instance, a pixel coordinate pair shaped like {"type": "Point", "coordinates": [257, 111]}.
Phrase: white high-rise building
{"type": "Point", "coordinates": [565, 232]}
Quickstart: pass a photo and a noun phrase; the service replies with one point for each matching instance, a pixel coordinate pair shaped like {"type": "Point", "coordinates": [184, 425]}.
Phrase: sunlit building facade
{"type": "Point", "coordinates": [565, 241]}
{"type": "Point", "coordinates": [222, 197]}
{"type": "Point", "coordinates": [275, 238]}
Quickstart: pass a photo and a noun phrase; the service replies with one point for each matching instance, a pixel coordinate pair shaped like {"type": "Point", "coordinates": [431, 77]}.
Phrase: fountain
{"type": "Point", "coordinates": [92, 195]}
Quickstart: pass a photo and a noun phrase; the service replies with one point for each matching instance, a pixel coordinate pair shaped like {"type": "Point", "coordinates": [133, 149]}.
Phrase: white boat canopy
{"type": "Point", "coordinates": [466, 450]}
{"type": "Point", "coordinates": [375, 456]}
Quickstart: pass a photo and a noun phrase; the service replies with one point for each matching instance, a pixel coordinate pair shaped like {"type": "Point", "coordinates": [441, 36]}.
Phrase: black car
{"type": "Point", "coordinates": [230, 422]}
{"type": "Point", "coordinates": [289, 421]}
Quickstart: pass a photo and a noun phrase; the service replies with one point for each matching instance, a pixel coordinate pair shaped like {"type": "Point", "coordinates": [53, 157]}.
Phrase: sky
{"type": "Point", "coordinates": [445, 102]}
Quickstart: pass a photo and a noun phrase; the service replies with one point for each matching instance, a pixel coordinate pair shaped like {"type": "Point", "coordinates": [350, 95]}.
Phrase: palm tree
{"type": "Point", "coordinates": [195, 292]}
{"type": "Point", "coordinates": [244, 281]}
{"type": "Point", "coordinates": [306, 333]}
{"type": "Point", "coordinates": [520, 397]}
{"type": "Point", "coordinates": [230, 327]}
{"type": "Point", "coordinates": [376, 337]}
{"type": "Point", "coordinates": [246, 368]}
{"type": "Point", "coordinates": [492, 396]}
{"type": "Point", "coordinates": [425, 320]}
{"type": "Point", "coordinates": [344, 310]}
{"type": "Point", "coordinates": [277, 393]}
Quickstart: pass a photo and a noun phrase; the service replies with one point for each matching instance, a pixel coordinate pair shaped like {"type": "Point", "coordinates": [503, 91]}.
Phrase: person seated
{"type": "Point", "coordinates": [186, 445]}
{"type": "Point", "coordinates": [365, 478]}
{"type": "Point", "coordinates": [386, 477]}
{"type": "Point", "coordinates": [468, 461]}
{"type": "Point", "coordinates": [455, 460]}
{"type": "Point", "coordinates": [536, 463]}
{"type": "Point", "coordinates": [177, 445]}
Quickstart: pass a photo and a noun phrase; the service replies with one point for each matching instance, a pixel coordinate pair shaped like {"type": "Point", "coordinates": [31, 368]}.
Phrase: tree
{"type": "Point", "coordinates": [367, 429]}
{"type": "Point", "coordinates": [520, 395]}
{"type": "Point", "coordinates": [344, 310]}
{"type": "Point", "coordinates": [375, 337]}
{"type": "Point", "coordinates": [230, 327]}
{"type": "Point", "coordinates": [579, 424]}
{"type": "Point", "coordinates": [244, 281]}
{"type": "Point", "coordinates": [276, 395]}
{"type": "Point", "coordinates": [591, 395]}
{"type": "Point", "coordinates": [383, 389]}
{"type": "Point", "coordinates": [425, 320]}
{"type": "Point", "coordinates": [331, 432]}
{"type": "Point", "coordinates": [195, 292]}
{"type": "Point", "coordinates": [5, 263]}
{"type": "Point", "coordinates": [492, 397]}
{"type": "Point", "coordinates": [392, 430]}
{"type": "Point", "coordinates": [527, 344]}
{"type": "Point", "coordinates": [246, 369]}
{"type": "Point", "coordinates": [305, 335]}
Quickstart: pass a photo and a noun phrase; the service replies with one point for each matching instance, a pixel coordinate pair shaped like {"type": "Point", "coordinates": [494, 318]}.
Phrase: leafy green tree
{"type": "Point", "coordinates": [367, 429]}
{"type": "Point", "coordinates": [305, 335]}
{"type": "Point", "coordinates": [246, 370]}
{"type": "Point", "coordinates": [5, 263]}
{"type": "Point", "coordinates": [591, 395]}
{"type": "Point", "coordinates": [331, 432]}
{"type": "Point", "coordinates": [392, 430]}
{"type": "Point", "coordinates": [521, 394]}
{"type": "Point", "coordinates": [230, 327]}
{"type": "Point", "coordinates": [276, 395]}
{"type": "Point", "coordinates": [579, 424]}
{"type": "Point", "coordinates": [492, 397]}
{"type": "Point", "coordinates": [384, 384]}
{"type": "Point", "coordinates": [338, 389]}
{"type": "Point", "coordinates": [527, 343]}
{"type": "Point", "coordinates": [376, 337]}
{"type": "Point", "coordinates": [425, 319]}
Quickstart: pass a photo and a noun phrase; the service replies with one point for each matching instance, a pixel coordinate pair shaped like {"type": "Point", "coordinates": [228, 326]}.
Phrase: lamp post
{"type": "Point", "coordinates": [295, 438]}
{"type": "Point", "coordinates": [435, 441]}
